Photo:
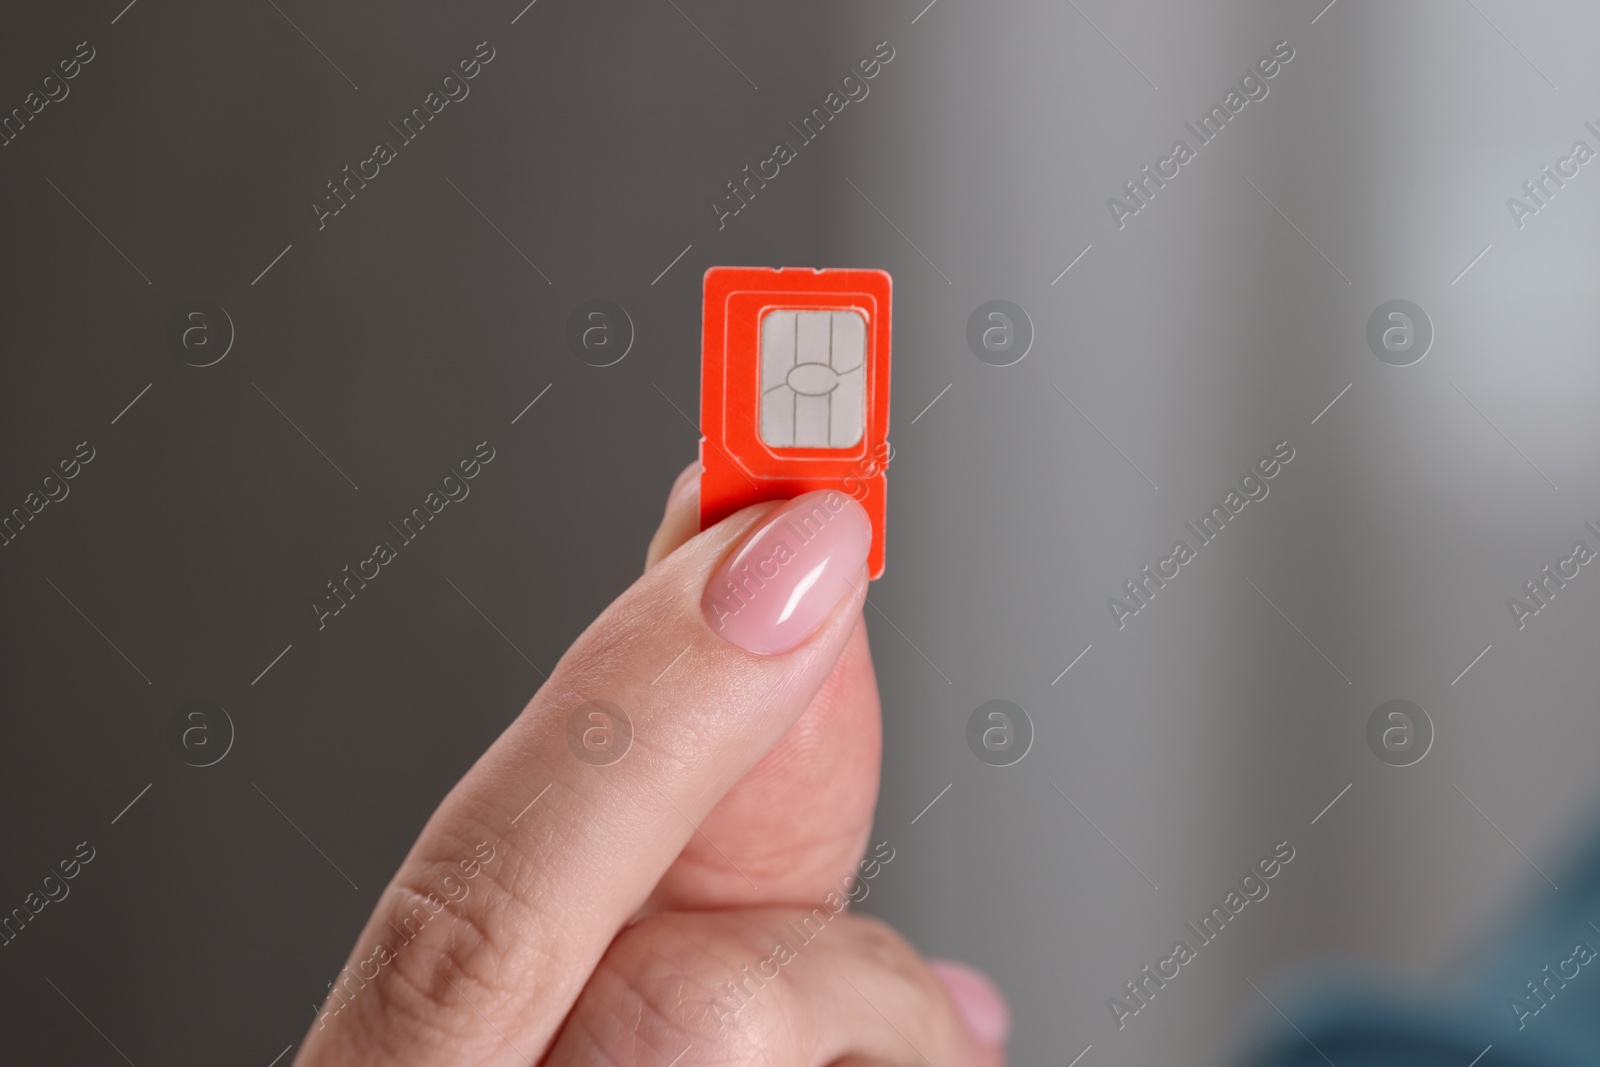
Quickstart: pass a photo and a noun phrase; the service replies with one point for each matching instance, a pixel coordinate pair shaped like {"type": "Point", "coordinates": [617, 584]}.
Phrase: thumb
{"type": "Point", "coordinates": [762, 605]}
{"type": "Point", "coordinates": [799, 818]}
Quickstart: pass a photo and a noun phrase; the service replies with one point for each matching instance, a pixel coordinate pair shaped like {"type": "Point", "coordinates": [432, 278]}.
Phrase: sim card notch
{"type": "Point", "coordinates": [795, 388]}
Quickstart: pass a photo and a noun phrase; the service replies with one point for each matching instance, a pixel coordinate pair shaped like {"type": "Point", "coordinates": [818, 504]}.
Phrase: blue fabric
{"type": "Point", "coordinates": [1354, 1024]}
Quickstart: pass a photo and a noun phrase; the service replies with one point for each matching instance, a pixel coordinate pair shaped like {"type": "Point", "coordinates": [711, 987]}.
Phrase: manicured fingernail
{"type": "Point", "coordinates": [979, 1001]}
{"type": "Point", "coordinates": [773, 592]}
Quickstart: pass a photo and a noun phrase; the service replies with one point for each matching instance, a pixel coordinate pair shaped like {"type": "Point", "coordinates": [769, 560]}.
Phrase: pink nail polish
{"type": "Point", "coordinates": [980, 1003]}
{"type": "Point", "coordinates": [774, 591]}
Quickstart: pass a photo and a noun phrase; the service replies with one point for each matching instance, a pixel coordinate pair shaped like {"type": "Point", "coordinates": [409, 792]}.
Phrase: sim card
{"type": "Point", "coordinates": [794, 389]}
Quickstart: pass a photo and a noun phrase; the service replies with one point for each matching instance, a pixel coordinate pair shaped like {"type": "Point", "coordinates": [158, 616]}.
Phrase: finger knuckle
{"type": "Point", "coordinates": [905, 976]}
{"type": "Point", "coordinates": [656, 992]}
{"type": "Point", "coordinates": [436, 965]}
{"type": "Point", "coordinates": [888, 950]}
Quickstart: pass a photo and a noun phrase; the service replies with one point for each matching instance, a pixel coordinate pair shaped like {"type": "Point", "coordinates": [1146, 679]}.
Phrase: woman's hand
{"type": "Point", "coordinates": [678, 900]}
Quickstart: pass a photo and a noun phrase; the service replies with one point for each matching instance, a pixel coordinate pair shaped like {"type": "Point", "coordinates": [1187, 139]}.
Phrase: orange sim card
{"type": "Point", "coordinates": [794, 389]}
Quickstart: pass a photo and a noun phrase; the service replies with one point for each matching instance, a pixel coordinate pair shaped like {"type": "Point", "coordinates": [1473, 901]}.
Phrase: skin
{"type": "Point", "coordinates": [602, 926]}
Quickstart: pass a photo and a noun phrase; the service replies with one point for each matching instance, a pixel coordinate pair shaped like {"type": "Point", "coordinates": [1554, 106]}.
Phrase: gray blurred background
{"type": "Point", "coordinates": [1175, 352]}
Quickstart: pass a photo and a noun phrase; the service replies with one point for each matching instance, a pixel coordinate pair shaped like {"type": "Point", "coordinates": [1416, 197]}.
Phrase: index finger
{"type": "Point", "coordinates": [554, 839]}
{"type": "Point", "coordinates": [802, 815]}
